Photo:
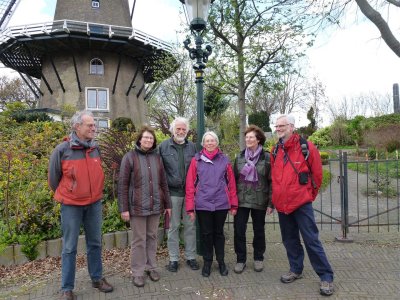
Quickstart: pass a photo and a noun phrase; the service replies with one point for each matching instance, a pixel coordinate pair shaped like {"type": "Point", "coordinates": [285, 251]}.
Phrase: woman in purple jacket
{"type": "Point", "coordinates": [211, 193]}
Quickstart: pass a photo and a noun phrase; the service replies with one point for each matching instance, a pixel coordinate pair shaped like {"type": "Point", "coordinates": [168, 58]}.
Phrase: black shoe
{"type": "Point", "coordinates": [172, 266]}
{"type": "Point", "coordinates": [192, 263]}
{"type": "Point", "coordinates": [206, 269]}
{"type": "Point", "coordinates": [222, 269]}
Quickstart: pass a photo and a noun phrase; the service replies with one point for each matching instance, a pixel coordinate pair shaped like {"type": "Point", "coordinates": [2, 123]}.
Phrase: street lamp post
{"type": "Point", "coordinates": [197, 12]}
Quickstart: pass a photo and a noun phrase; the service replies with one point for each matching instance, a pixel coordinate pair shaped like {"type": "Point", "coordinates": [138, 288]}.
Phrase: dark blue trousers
{"type": "Point", "coordinates": [302, 221]}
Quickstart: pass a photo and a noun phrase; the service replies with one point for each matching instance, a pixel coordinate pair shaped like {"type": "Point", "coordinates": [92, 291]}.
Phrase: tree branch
{"type": "Point", "coordinates": [376, 18]}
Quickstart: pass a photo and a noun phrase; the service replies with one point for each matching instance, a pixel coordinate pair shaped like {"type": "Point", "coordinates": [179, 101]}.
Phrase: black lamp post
{"type": "Point", "coordinates": [197, 12]}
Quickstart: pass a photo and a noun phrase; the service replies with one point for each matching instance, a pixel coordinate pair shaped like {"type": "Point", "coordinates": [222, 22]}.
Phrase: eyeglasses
{"type": "Point", "coordinates": [148, 138]}
{"type": "Point", "coordinates": [281, 126]}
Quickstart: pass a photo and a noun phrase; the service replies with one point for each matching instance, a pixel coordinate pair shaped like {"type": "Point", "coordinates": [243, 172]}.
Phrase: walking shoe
{"type": "Point", "coordinates": [67, 295]}
{"type": "Point", "coordinates": [206, 271]}
{"type": "Point", "coordinates": [153, 274]}
{"type": "Point", "coordinates": [222, 269]}
{"type": "Point", "coordinates": [239, 267]}
{"type": "Point", "coordinates": [326, 288]}
{"type": "Point", "coordinates": [172, 266]}
{"type": "Point", "coordinates": [192, 263]}
{"type": "Point", "coordinates": [258, 265]}
{"type": "Point", "coordinates": [138, 281]}
{"type": "Point", "coordinates": [102, 285]}
{"type": "Point", "coordinates": [290, 277]}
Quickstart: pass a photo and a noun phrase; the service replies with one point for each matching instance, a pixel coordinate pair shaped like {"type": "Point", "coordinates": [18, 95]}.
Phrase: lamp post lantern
{"type": "Point", "coordinates": [197, 12]}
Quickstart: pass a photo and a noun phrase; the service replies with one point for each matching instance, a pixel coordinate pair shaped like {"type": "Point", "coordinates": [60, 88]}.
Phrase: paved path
{"type": "Point", "coordinates": [369, 268]}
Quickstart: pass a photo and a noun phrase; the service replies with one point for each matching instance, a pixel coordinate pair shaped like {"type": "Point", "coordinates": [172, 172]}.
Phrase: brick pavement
{"type": "Point", "coordinates": [369, 268]}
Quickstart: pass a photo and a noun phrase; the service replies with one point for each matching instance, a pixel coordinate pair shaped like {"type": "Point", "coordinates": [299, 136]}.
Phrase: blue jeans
{"type": "Point", "coordinates": [302, 221]}
{"type": "Point", "coordinates": [72, 217]}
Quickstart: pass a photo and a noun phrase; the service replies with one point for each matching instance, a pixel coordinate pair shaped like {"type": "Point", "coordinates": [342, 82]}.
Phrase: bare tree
{"type": "Point", "coordinates": [13, 90]}
{"type": "Point", "coordinates": [175, 96]}
{"type": "Point", "coordinates": [377, 104]}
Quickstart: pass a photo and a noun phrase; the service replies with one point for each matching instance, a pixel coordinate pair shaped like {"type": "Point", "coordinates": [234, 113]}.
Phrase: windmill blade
{"type": "Point", "coordinates": [133, 8]}
{"type": "Point", "coordinates": [7, 9]}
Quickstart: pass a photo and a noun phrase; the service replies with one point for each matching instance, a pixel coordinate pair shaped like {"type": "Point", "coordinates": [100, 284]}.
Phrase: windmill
{"type": "Point", "coordinates": [89, 57]}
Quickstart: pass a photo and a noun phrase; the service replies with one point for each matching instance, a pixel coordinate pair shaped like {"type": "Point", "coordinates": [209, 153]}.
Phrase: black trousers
{"type": "Point", "coordinates": [212, 233]}
{"type": "Point", "coordinates": [240, 227]}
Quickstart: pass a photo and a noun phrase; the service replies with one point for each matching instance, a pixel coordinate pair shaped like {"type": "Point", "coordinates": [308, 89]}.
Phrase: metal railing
{"type": "Point", "coordinates": [88, 28]}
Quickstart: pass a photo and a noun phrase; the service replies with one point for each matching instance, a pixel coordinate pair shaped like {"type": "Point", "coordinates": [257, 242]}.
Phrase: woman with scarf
{"type": "Point", "coordinates": [210, 194]}
{"type": "Point", "coordinates": [253, 177]}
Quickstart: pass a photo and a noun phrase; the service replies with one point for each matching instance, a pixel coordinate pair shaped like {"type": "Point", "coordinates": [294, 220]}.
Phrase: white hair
{"type": "Point", "coordinates": [77, 117]}
{"type": "Point", "coordinates": [289, 118]}
{"type": "Point", "coordinates": [176, 120]}
{"type": "Point", "coordinates": [213, 134]}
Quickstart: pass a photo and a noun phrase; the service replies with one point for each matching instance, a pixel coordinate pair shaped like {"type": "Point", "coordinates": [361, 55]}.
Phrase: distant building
{"type": "Point", "coordinates": [89, 57]}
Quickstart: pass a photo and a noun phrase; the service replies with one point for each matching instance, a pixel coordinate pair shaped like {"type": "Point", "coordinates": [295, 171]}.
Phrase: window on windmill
{"type": "Point", "coordinates": [95, 3]}
{"type": "Point", "coordinates": [101, 123]}
{"type": "Point", "coordinates": [97, 99]}
{"type": "Point", "coordinates": [96, 67]}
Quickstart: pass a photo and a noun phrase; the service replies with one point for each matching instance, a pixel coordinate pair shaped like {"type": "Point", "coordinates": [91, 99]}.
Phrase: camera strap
{"type": "Point", "coordinates": [297, 172]}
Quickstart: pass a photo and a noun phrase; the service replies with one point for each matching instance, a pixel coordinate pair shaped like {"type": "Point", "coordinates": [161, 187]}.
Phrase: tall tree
{"type": "Point", "coordinates": [255, 38]}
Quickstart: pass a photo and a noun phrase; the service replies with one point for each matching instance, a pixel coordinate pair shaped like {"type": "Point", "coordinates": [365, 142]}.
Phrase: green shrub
{"type": "Point", "coordinates": [24, 116]}
{"type": "Point", "coordinates": [123, 124]}
{"type": "Point", "coordinates": [326, 179]}
{"type": "Point", "coordinates": [392, 145]}
{"type": "Point", "coordinates": [324, 157]}
{"type": "Point", "coordinates": [29, 245]}
{"type": "Point", "coordinates": [321, 138]}
{"type": "Point", "coordinates": [111, 217]}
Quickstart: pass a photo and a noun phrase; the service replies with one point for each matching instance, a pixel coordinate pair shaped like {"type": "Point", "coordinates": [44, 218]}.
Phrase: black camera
{"type": "Point", "coordinates": [303, 177]}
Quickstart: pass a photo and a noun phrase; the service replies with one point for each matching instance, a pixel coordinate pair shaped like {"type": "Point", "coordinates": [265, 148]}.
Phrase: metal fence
{"type": "Point", "coordinates": [363, 195]}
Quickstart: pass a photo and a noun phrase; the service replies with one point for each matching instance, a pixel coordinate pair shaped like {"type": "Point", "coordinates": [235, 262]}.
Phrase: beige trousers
{"type": "Point", "coordinates": [144, 243]}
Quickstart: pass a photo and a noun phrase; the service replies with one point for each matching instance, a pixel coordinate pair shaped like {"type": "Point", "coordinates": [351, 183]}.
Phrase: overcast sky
{"type": "Point", "coordinates": [348, 61]}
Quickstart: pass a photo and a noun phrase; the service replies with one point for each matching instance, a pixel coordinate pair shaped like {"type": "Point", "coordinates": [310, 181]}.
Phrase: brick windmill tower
{"type": "Point", "coordinates": [89, 57]}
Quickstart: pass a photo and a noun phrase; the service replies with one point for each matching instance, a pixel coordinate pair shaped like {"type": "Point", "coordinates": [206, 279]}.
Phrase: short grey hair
{"type": "Point", "coordinates": [77, 117]}
{"type": "Point", "coordinates": [289, 118]}
{"type": "Point", "coordinates": [213, 134]}
{"type": "Point", "coordinates": [176, 120]}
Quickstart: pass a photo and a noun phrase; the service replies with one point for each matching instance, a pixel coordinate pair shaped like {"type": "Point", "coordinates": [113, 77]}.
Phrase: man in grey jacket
{"type": "Point", "coordinates": [177, 153]}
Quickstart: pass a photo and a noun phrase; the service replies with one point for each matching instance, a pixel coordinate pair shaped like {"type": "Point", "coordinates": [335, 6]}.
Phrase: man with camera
{"type": "Point", "coordinates": [296, 177]}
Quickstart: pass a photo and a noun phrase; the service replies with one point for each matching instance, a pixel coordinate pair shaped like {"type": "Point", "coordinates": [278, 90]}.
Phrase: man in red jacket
{"type": "Point", "coordinates": [77, 180]}
{"type": "Point", "coordinates": [296, 178]}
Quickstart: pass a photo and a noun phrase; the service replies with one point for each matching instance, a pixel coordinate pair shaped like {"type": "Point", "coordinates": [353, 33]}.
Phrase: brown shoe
{"type": "Point", "coordinates": [138, 281]}
{"type": "Point", "coordinates": [103, 285]}
{"type": "Point", "coordinates": [67, 295]}
{"type": "Point", "coordinates": [153, 274]}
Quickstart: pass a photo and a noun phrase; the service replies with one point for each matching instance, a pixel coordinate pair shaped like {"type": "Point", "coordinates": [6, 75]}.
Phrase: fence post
{"type": "Point", "coordinates": [344, 198]}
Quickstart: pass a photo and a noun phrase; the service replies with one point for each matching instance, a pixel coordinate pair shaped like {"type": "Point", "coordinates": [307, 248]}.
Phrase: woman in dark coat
{"type": "Point", "coordinates": [253, 182]}
{"type": "Point", "coordinates": [143, 196]}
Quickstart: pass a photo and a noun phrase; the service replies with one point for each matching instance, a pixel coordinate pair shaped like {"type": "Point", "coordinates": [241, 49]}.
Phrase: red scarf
{"type": "Point", "coordinates": [210, 155]}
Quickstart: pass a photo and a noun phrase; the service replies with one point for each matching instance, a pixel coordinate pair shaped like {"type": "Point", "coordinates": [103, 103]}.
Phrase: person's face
{"type": "Point", "coordinates": [147, 141]}
{"type": "Point", "coordinates": [180, 132]}
{"type": "Point", "coordinates": [251, 140]}
{"type": "Point", "coordinates": [210, 143]}
{"type": "Point", "coordinates": [283, 129]}
{"type": "Point", "coordinates": [87, 129]}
